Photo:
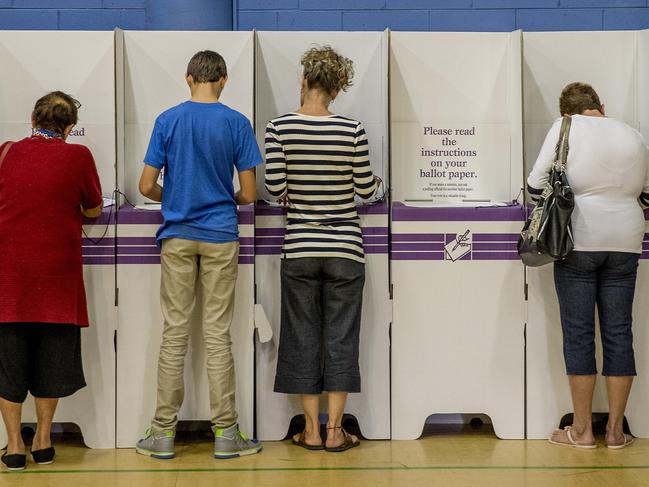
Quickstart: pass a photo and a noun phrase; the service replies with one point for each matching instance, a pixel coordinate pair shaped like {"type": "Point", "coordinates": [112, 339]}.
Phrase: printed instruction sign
{"type": "Point", "coordinates": [453, 164]}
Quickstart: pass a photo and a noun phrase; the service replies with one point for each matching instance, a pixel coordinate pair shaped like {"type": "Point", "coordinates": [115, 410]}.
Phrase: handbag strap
{"type": "Point", "coordinates": [4, 152]}
{"type": "Point", "coordinates": [561, 153]}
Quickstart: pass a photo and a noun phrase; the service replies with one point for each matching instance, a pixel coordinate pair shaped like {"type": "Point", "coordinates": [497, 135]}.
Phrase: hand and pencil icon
{"type": "Point", "coordinates": [459, 247]}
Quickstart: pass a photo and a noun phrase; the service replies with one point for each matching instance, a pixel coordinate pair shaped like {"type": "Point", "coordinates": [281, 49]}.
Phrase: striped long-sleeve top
{"type": "Point", "coordinates": [320, 163]}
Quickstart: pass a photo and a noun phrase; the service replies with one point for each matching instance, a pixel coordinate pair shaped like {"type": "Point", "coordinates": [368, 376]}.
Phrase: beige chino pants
{"type": "Point", "coordinates": [184, 263]}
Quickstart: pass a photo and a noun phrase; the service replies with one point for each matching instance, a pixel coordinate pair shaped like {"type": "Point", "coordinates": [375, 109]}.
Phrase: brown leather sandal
{"type": "Point", "coordinates": [301, 441]}
{"type": "Point", "coordinates": [348, 442]}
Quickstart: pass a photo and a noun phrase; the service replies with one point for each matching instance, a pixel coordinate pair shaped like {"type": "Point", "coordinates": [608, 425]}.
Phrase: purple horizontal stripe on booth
{"type": "Point", "coordinates": [494, 246]}
{"type": "Point", "coordinates": [373, 209]}
{"type": "Point", "coordinates": [270, 232]}
{"type": "Point", "coordinates": [495, 237]}
{"type": "Point", "coordinates": [264, 209]}
{"type": "Point", "coordinates": [417, 255]}
{"type": "Point", "coordinates": [246, 250]}
{"type": "Point", "coordinates": [418, 237]}
{"type": "Point", "coordinates": [376, 240]}
{"type": "Point", "coordinates": [155, 259]}
{"type": "Point", "coordinates": [374, 230]}
{"type": "Point", "coordinates": [97, 250]}
{"type": "Point", "coordinates": [435, 246]}
{"type": "Point", "coordinates": [269, 241]}
{"type": "Point", "coordinates": [495, 256]}
{"type": "Point", "coordinates": [645, 245]}
{"type": "Point", "coordinates": [376, 249]}
{"type": "Point", "coordinates": [246, 215]}
{"type": "Point", "coordinates": [644, 255]}
{"type": "Point", "coordinates": [401, 212]}
{"type": "Point", "coordinates": [99, 260]}
{"type": "Point", "coordinates": [132, 216]}
{"type": "Point", "coordinates": [246, 240]}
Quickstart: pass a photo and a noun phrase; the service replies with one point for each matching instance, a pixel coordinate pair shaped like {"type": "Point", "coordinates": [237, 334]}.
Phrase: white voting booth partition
{"type": "Point", "coordinates": [551, 61]}
{"type": "Point", "coordinates": [83, 67]}
{"type": "Point", "coordinates": [277, 93]}
{"type": "Point", "coordinates": [154, 69]}
{"type": "Point", "coordinates": [458, 285]}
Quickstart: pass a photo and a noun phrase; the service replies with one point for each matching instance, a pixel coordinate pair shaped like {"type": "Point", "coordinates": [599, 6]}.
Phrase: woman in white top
{"type": "Point", "coordinates": [607, 169]}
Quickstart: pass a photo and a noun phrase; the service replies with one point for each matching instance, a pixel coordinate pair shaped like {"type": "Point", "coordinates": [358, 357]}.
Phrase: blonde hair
{"type": "Point", "coordinates": [327, 70]}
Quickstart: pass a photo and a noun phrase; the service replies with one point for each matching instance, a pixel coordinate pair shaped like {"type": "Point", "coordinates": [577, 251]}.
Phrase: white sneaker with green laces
{"type": "Point", "coordinates": [231, 443]}
{"type": "Point", "coordinates": [157, 445]}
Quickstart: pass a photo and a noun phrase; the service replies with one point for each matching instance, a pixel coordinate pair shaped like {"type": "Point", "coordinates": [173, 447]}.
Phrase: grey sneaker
{"type": "Point", "coordinates": [157, 445]}
{"type": "Point", "coordinates": [231, 443]}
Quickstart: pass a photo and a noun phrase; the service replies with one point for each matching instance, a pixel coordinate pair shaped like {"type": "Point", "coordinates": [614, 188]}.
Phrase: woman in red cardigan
{"type": "Point", "coordinates": [46, 187]}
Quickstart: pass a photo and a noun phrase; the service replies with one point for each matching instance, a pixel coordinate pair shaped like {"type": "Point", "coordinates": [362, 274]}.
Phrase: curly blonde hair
{"type": "Point", "coordinates": [327, 70]}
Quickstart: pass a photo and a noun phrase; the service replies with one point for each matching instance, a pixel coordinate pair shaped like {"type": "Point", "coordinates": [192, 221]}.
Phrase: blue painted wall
{"type": "Point", "coordinates": [442, 15]}
{"type": "Point", "coordinates": [108, 14]}
{"type": "Point", "coordinates": [416, 15]}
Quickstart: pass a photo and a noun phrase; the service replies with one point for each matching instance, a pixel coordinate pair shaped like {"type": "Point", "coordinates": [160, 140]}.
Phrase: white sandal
{"type": "Point", "coordinates": [572, 443]}
{"type": "Point", "coordinates": [628, 439]}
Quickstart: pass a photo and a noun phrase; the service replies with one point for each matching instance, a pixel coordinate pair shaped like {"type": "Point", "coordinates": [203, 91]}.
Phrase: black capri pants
{"type": "Point", "coordinates": [322, 298]}
{"type": "Point", "coordinates": [41, 358]}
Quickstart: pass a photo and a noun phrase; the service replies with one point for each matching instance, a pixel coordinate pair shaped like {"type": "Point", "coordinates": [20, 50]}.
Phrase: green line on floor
{"type": "Point", "coordinates": [402, 468]}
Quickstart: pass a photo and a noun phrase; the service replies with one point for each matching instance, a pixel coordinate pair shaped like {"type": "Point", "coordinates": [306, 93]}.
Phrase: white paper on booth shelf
{"type": "Point", "coordinates": [278, 92]}
{"type": "Point", "coordinates": [456, 117]}
{"type": "Point", "coordinates": [154, 70]}
{"type": "Point", "coordinates": [278, 84]}
{"type": "Point", "coordinates": [155, 67]}
{"type": "Point", "coordinates": [81, 64]}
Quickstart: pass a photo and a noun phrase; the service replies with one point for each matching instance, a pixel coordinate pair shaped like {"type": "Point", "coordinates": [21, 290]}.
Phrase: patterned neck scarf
{"type": "Point", "coordinates": [46, 134]}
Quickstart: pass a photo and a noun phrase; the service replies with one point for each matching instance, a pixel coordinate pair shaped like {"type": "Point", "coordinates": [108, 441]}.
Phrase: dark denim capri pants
{"type": "Point", "coordinates": [322, 299]}
{"type": "Point", "coordinates": [605, 279]}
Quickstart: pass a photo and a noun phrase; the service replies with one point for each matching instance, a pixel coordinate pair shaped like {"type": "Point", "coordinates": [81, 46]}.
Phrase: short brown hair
{"type": "Point", "coordinates": [327, 70]}
{"type": "Point", "coordinates": [55, 112]}
{"type": "Point", "coordinates": [207, 67]}
{"type": "Point", "coordinates": [578, 97]}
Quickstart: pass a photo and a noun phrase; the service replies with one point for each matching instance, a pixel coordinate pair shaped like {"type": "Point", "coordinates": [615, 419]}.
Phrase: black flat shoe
{"type": "Point", "coordinates": [14, 462]}
{"type": "Point", "coordinates": [44, 456]}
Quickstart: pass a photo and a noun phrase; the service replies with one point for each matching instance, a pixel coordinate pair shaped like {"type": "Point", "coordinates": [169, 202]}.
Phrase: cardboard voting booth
{"type": "Point", "coordinates": [154, 67]}
{"type": "Point", "coordinates": [84, 68]}
{"type": "Point", "coordinates": [458, 285]}
{"type": "Point", "coordinates": [277, 93]}
{"type": "Point", "coordinates": [548, 67]}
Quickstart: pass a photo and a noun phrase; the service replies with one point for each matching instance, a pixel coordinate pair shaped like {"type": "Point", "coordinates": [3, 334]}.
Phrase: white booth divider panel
{"type": "Point", "coordinates": [141, 325]}
{"type": "Point", "coordinates": [82, 66]}
{"type": "Point", "coordinates": [548, 66]}
{"type": "Point", "coordinates": [278, 84]}
{"type": "Point", "coordinates": [456, 117]}
{"type": "Point", "coordinates": [551, 60]}
{"type": "Point", "coordinates": [155, 64]}
{"type": "Point", "coordinates": [459, 316]}
{"type": "Point", "coordinates": [372, 406]}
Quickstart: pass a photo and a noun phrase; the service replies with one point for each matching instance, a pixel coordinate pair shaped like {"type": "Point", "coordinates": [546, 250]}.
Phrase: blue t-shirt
{"type": "Point", "coordinates": [199, 145]}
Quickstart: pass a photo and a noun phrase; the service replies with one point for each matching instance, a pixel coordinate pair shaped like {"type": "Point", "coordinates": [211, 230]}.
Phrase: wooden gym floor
{"type": "Point", "coordinates": [470, 458]}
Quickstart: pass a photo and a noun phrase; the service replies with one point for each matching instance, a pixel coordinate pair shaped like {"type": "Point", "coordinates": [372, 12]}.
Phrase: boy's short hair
{"type": "Point", "coordinates": [578, 97]}
{"type": "Point", "coordinates": [207, 67]}
{"type": "Point", "coordinates": [55, 112]}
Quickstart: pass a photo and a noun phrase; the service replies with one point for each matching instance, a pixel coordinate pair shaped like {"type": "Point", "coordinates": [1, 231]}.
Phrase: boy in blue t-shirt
{"type": "Point", "coordinates": [199, 143]}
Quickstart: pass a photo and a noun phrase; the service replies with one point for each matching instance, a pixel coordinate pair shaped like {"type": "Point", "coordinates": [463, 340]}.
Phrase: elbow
{"type": "Point", "coordinates": [146, 188]}
{"type": "Point", "coordinates": [93, 213]}
{"type": "Point", "coordinates": [247, 197]}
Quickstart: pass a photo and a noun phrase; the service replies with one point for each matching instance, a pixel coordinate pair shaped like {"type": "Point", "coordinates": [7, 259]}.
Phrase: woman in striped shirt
{"type": "Point", "coordinates": [316, 163]}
